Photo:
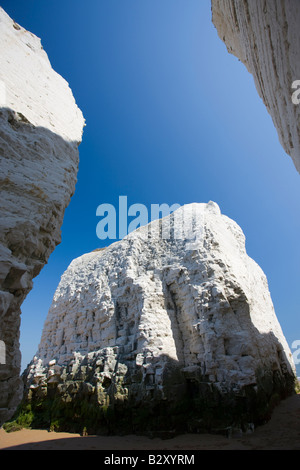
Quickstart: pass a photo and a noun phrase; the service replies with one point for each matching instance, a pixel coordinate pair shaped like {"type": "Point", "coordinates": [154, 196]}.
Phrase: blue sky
{"type": "Point", "coordinates": [171, 117]}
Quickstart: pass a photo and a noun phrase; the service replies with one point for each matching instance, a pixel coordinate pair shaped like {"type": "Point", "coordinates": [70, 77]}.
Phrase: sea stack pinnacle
{"type": "Point", "coordinates": [160, 333]}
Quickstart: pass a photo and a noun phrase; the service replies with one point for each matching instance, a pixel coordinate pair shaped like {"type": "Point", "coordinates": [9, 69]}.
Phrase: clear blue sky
{"type": "Point", "coordinates": [171, 118]}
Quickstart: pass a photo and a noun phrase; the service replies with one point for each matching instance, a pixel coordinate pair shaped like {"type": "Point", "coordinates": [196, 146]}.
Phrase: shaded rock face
{"type": "Point", "coordinates": [264, 35]}
{"type": "Point", "coordinates": [40, 130]}
{"type": "Point", "coordinates": [162, 334]}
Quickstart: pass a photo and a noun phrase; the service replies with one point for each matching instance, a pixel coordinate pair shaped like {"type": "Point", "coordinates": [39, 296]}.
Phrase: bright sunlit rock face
{"type": "Point", "coordinates": [150, 320]}
{"type": "Point", "coordinates": [40, 130]}
{"type": "Point", "coordinates": [264, 35]}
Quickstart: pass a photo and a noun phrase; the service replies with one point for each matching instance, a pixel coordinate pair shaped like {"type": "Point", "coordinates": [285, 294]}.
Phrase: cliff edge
{"type": "Point", "coordinates": [40, 130]}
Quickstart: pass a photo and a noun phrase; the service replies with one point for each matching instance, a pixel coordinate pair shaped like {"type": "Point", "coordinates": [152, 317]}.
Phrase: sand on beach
{"type": "Point", "coordinates": [282, 432]}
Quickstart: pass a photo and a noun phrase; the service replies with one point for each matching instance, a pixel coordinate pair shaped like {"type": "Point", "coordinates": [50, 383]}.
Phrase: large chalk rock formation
{"type": "Point", "coordinates": [162, 331]}
{"type": "Point", "coordinates": [265, 36]}
{"type": "Point", "coordinates": [40, 130]}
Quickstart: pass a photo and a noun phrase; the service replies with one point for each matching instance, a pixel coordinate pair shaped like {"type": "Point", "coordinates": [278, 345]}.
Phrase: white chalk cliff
{"type": "Point", "coordinates": [122, 318]}
{"type": "Point", "coordinates": [40, 130]}
{"type": "Point", "coordinates": [265, 36]}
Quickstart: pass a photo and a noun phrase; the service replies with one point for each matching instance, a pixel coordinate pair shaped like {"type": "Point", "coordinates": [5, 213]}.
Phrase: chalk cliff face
{"type": "Point", "coordinates": [264, 35]}
{"type": "Point", "coordinates": [163, 331]}
{"type": "Point", "coordinates": [40, 130]}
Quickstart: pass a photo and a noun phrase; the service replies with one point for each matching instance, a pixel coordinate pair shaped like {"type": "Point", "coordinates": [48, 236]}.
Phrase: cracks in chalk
{"type": "Point", "coordinates": [173, 311]}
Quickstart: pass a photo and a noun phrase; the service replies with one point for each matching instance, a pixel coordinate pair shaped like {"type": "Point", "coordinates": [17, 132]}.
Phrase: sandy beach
{"type": "Point", "coordinates": [282, 432]}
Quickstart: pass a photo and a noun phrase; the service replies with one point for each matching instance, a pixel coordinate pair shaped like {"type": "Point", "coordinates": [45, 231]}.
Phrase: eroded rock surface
{"type": "Point", "coordinates": [40, 130]}
{"type": "Point", "coordinates": [264, 35]}
{"type": "Point", "coordinates": [162, 332]}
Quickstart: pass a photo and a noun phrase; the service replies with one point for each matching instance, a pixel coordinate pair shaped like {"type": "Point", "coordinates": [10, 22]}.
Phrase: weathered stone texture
{"type": "Point", "coordinates": [185, 327]}
{"type": "Point", "coordinates": [265, 36]}
{"type": "Point", "coordinates": [40, 130]}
